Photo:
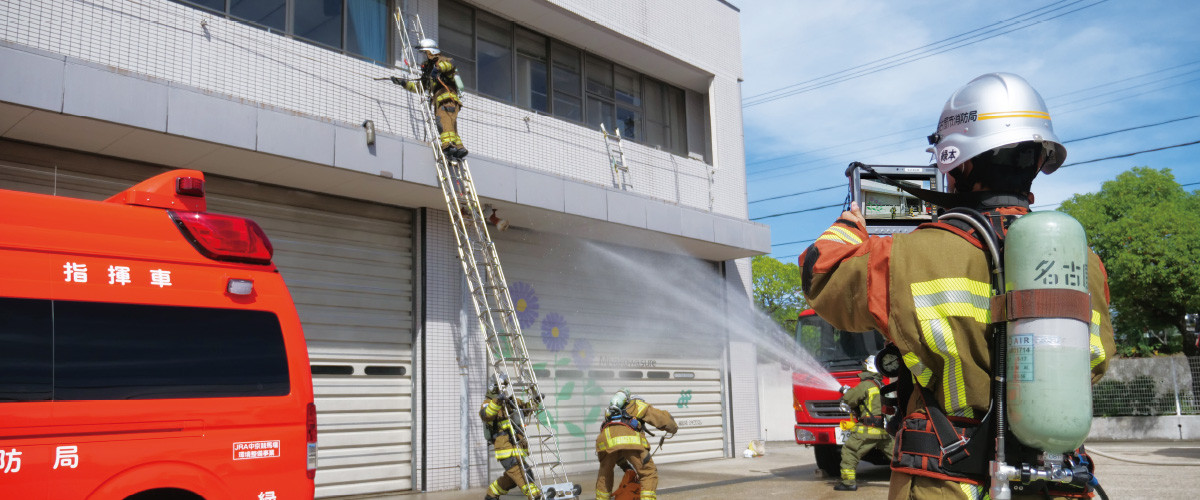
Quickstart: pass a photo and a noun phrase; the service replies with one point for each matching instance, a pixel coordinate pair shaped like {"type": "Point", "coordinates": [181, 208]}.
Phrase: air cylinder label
{"type": "Point", "coordinates": [1020, 351]}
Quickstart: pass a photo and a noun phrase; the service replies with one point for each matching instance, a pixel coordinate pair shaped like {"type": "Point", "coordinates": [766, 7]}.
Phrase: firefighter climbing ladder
{"type": "Point", "coordinates": [616, 157]}
{"type": "Point", "coordinates": [506, 352]}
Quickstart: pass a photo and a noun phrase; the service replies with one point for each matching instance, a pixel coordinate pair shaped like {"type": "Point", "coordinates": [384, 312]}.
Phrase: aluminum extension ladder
{"type": "Point", "coordinates": [506, 351]}
{"type": "Point", "coordinates": [616, 158]}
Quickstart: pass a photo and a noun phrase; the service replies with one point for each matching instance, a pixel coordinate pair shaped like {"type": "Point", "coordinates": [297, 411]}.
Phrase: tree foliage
{"type": "Point", "coordinates": [1146, 229]}
{"type": "Point", "coordinates": [777, 290]}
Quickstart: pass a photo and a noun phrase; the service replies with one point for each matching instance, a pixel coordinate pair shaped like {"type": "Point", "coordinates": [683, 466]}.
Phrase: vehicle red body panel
{"type": "Point", "coordinates": [110, 449]}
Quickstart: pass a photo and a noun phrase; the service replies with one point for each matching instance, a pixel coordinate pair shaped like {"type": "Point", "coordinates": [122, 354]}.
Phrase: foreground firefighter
{"type": "Point", "coordinates": [930, 293]}
{"type": "Point", "coordinates": [622, 442]}
{"type": "Point", "coordinates": [868, 433]}
{"type": "Point", "coordinates": [440, 78]}
{"type": "Point", "coordinates": [509, 443]}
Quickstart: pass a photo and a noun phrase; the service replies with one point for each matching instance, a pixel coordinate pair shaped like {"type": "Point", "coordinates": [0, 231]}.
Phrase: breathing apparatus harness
{"type": "Point", "coordinates": [621, 416]}
{"type": "Point", "coordinates": [954, 448]}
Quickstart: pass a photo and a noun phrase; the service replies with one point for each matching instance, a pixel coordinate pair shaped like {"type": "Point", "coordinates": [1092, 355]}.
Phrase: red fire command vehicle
{"type": "Point", "coordinates": [149, 350]}
{"type": "Point", "coordinates": [818, 409]}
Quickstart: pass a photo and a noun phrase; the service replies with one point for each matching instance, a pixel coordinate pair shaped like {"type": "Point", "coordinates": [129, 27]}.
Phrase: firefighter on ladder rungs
{"type": "Point", "coordinates": [511, 446]}
{"type": "Point", "coordinates": [440, 78]}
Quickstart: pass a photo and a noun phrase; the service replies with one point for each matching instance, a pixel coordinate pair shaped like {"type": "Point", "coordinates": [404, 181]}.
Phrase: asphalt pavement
{"type": "Point", "coordinates": [1159, 470]}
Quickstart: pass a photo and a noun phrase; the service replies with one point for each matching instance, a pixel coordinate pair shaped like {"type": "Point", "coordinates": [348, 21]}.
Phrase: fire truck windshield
{"type": "Point", "coordinates": [836, 350]}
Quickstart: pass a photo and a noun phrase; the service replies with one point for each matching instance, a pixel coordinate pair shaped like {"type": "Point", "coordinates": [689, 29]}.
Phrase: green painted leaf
{"type": "Point", "coordinates": [573, 429]}
{"type": "Point", "coordinates": [564, 361]}
{"type": "Point", "coordinates": [539, 366]}
{"type": "Point", "coordinates": [593, 413]}
{"type": "Point", "coordinates": [565, 392]}
{"type": "Point", "coordinates": [593, 389]}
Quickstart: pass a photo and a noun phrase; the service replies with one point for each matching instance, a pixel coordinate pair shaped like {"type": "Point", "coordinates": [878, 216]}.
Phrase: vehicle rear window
{"type": "Point", "coordinates": [64, 350]}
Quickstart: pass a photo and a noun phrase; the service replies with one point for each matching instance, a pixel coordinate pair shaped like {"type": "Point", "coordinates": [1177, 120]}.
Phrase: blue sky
{"type": "Point", "coordinates": [1101, 65]}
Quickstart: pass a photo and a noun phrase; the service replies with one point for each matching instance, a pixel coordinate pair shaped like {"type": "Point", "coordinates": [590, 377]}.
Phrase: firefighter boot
{"type": "Point", "coordinates": [845, 487]}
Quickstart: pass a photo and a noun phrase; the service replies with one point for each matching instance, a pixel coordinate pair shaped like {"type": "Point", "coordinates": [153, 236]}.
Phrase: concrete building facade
{"type": "Point", "coordinates": [621, 278]}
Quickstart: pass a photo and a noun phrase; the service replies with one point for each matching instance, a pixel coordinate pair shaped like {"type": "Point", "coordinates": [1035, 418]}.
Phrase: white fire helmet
{"type": "Point", "coordinates": [990, 112]}
{"type": "Point", "coordinates": [869, 364]}
{"type": "Point", "coordinates": [428, 45]}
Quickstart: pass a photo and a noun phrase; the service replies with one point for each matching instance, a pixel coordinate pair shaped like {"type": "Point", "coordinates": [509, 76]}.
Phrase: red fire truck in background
{"type": "Point", "coordinates": [818, 409]}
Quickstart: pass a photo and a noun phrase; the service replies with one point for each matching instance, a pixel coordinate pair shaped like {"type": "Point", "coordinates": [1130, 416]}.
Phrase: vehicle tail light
{"type": "Point", "coordinates": [224, 237]}
{"type": "Point", "coordinates": [310, 429]}
{"type": "Point", "coordinates": [189, 186]}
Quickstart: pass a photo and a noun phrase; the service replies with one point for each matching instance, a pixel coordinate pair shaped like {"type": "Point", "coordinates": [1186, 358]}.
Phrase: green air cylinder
{"type": "Point", "coordinates": [1049, 359]}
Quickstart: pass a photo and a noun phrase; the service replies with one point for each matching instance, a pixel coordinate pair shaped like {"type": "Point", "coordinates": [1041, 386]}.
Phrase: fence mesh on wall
{"type": "Point", "coordinates": [1168, 390]}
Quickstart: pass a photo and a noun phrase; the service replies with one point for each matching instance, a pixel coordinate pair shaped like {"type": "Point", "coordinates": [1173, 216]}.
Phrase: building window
{"type": "Point", "coordinates": [512, 64]}
{"type": "Point", "coordinates": [600, 107]}
{"type": "Point", "coordinates": [360, 28]}
{"type": "Point", "coordinates": [567, 81]}
{"type": "Point", "coordinates": [456, 33]}
{"type": "Point", "coordinates": [533, 84]}
{"type": "Point", "coordinates": [628, 90]}
{"type": "Point", "coordinates": [495, 57]}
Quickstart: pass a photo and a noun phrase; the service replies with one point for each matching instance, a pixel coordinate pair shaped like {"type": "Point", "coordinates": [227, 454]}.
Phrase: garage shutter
{"type": "Point", "coordinates": [597, 318]}
{"type": "Point", "coordinates": [348, 265]}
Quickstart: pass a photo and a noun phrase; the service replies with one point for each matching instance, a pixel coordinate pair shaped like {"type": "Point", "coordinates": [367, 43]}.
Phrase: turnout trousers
{"type": "Point", "coordinates": [858, 444]}
{"type": "Point", "coordinates": [642, 464]}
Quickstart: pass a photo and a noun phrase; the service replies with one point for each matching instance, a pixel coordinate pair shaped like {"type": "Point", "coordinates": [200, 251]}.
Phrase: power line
{"type": "Point", "coordinates": [1131, 128]}
{"type": "Point", "coordinates": [798, 241]}
{"type": "Point", "coordinates": [1126, 155]}
{"type": "Point", "coordinates": [796, 212]}
{"type": "Point", "coordinates": [884, 59]}
{"type": "Point", "coordinates": [853, 74]}
{"type": "Point", "coordinates": [798, 194]}
{"type": "Point", "coordinates": [1139, 127]}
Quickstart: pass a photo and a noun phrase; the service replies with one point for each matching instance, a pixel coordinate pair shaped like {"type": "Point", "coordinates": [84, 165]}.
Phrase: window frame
{"type": "Point", "coordinates": [675, 119]}
{"type": "Point", "coordinates": [289, 29]}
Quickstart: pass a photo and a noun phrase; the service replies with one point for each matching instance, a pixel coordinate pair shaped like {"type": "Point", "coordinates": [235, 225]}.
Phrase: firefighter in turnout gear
{"type": "Point", "coordinates": [511, 446]}
{"type": "Point", "coordinates": [622, 442]}
{"type": "Point", "coordinates": [929, 291]}
{"type": "Point", "coordinates": [440, 78]}
{"type": "Point", "coordinates": [866, 404]}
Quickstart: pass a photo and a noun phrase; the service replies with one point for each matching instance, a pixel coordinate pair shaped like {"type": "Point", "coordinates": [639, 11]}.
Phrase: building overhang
{"type": "Point", "coordinates": [78, 106]}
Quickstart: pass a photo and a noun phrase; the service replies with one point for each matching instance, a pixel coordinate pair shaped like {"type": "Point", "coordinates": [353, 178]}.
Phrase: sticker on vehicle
{"type": "Point", "coordinates": [255, 449]}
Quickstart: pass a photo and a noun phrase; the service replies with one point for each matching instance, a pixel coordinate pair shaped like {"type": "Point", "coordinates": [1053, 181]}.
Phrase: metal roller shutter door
{"type": "Point", "coordinates": [348, 265]}
{"type": "Point", "coordinates": [621, 322]}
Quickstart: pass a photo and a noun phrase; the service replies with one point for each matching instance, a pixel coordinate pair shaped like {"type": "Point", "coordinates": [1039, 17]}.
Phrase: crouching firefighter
{"type": "Point", "coordinates": [867, 433]}
{"type": "Point", "coordinates": [508, 440]}
{"type": "Point", "coordinates": [622, 442]}
{"type": "Point", "coordinates": [978, 359]}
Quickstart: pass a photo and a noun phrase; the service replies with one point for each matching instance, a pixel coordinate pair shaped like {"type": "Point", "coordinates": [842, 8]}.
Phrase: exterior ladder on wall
{"type": "Point", "coordinates": [506, 351]}
{"type": "Point", "coordinates": [616, 157]}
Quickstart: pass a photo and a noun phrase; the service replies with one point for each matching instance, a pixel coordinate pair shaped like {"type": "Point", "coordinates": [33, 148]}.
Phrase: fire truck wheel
{"type": "Point", "coordinates": [829, 458]}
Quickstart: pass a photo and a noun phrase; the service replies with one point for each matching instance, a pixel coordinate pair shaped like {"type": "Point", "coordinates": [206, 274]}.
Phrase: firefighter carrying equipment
{"type": "Point", "coordinates": [955, 448]}
{"type": "Point", "coordinates": [931, 308]}
{"type": "Point", "coordinates": [623, 438]}
{"type": "Point", "coordinates": [440, 78]}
